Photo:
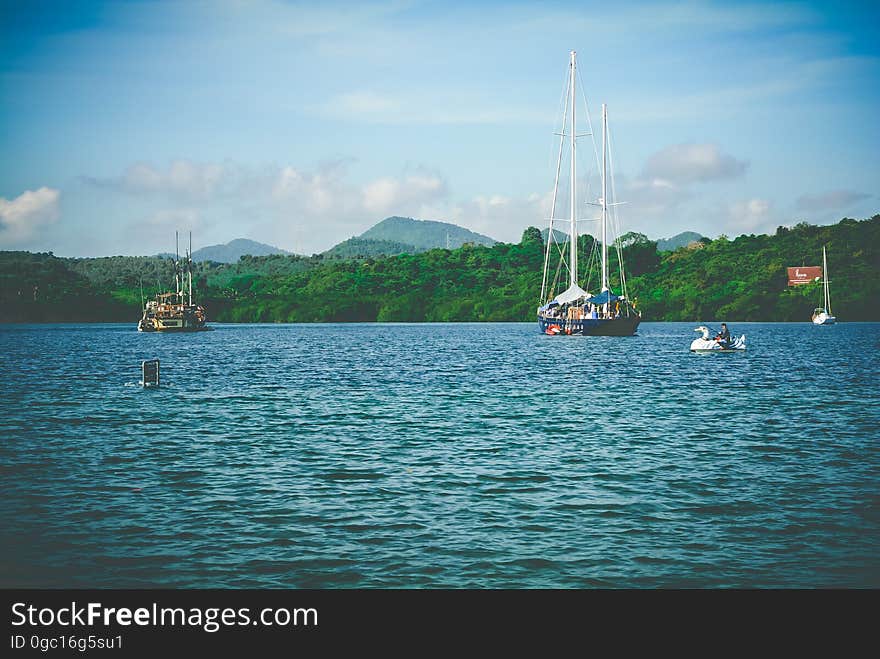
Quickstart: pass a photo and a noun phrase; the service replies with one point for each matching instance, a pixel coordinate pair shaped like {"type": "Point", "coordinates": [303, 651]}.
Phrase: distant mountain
{"type": "Point", "coordinates": [354, 248]}
{"type": "Point", "coordinates": [232, 251]}
{"type": "Point", "coordinates": [680, 240]}
{"type": "Point", "coordinates": [424, 234]}
{"type": "Point", "coordinates": [558, 236]}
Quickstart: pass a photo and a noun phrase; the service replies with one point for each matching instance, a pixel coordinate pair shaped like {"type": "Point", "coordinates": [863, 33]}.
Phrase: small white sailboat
{"type": "Point", "coordinates": [823, 315]}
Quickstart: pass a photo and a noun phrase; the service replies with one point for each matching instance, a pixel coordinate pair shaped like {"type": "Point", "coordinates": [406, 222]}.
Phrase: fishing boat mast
{"type": "Point", "coordinates": [177, 265]}
{"type": "Point", "coordinates": [189, 268]}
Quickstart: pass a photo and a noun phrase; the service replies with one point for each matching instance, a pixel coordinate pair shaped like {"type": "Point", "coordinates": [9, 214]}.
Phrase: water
{"type": "Point", "coordinates": [475, 455]}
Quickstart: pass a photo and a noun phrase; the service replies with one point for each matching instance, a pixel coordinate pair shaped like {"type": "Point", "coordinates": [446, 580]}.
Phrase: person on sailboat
{"type": "Point", "coordinates": [723, 337]}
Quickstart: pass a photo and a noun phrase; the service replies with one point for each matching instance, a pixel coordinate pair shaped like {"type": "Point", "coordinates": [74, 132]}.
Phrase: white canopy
{"type": "Point", "coordinates": [573, 293]}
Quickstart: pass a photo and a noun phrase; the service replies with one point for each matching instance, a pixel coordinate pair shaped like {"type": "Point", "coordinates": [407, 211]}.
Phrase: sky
{"type": "Point", "coordinates": [302, 124]}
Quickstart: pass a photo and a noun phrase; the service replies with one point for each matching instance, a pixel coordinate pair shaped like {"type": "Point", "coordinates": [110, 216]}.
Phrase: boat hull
{"type": "Point", "coordinates": [169, 326]}
{"type": "Point", "coordinates": [177, 330]}
{"type": "Point", "coordinates": [824, 319]}
{"type": "Point", "coordinates": [592, 326]}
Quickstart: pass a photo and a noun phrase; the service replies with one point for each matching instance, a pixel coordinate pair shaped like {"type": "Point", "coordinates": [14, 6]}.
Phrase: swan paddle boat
{"type": "Point", "coordinates": [709, 344]}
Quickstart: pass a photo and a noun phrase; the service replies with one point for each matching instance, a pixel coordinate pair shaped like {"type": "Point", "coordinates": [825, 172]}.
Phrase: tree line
{"type": "Point", "coordinates": [742, 279]}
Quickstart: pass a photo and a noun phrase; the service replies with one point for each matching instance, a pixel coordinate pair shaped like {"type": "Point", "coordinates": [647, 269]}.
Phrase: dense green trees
{"type": "Point", "coordinates": [739, 280]}
{"type": "Point", "coordinates": [746, 279]}
{"type": "Point", "coordinates": [360, 248]}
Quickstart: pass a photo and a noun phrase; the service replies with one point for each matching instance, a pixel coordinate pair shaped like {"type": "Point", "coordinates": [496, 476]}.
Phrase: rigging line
{"type": "Point", "coordinates": [586, 276]}
{"type": "Point", "coordinates": [589, 122]}
{"type": "Point", "coordinates": [594, 254]}
{"type": "Point", "coordinates": [562, 104]}
{"type": "Point", "coordinates": [559, 263]}
{"type": "Point", "coordinates": [556, 277]}
{"type": "Point", "coordinates": [617, 227]}
{"type": "Point", "coordinates": [555, 195]}
{"type": "Point", "coordinates": [588, 179]}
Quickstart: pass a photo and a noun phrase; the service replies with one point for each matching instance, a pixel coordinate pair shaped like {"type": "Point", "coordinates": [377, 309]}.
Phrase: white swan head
{"type": "Point", "coordinates": [704, 330]}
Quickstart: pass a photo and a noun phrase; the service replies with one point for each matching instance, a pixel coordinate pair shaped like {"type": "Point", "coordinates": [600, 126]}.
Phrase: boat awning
{"type": "Point", "coordinates": [603, 298]}
{"type": "Point", "coordinates": [574, 292]}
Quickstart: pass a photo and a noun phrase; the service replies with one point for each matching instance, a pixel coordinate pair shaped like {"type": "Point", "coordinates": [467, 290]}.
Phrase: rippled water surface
{"type": "Point", "coordinates": [448, 455]}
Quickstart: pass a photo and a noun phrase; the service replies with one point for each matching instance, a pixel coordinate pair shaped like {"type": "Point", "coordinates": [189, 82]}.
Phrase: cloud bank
{"type": "Point", "coordinates": [693, 163]}
{"type": "Point", "coordinates": [830, 201]}
{"type": "Point", "coordinates": [26, 215]}
{"type": "Point", "coordinates": [749, 216]}
{"type": "Point", "coordinates": [301, 209]}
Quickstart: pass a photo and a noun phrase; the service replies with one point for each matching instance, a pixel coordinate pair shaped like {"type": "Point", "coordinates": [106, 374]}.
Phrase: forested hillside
{"type": "Point", "coordinates": [738, 280]}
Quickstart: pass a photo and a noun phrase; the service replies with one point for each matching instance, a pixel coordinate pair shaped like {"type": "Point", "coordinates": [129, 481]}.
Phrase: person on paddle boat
{"type": "Point", "coordinates": [723, 337]}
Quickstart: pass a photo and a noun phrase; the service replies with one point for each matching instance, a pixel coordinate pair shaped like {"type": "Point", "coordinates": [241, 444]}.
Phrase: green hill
{"type": "Point", "coordinates": [679, 240]}
{"type": "Point", "coordinates": [234, 250]}
{"type": "Point", "coordinates": [359, 248]}
{"type": "Point", "coordinates": [424, 234]}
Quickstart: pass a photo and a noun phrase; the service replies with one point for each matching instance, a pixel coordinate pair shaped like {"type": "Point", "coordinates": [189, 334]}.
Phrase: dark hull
{"type": "Point", "coordinates": [172, 325]}
{"type": "Point", "coordinates": [593, 326]}
{"type": "Point", "coordinates": [180, 330]}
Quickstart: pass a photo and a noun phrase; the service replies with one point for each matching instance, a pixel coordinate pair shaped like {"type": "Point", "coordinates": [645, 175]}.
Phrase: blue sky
{"type": "Point", "coordinates": [301, 124]}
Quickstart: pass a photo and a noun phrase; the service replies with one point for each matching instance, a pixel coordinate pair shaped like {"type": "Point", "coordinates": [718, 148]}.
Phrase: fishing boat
{"type": "Point", "coordinates": [822, 315]}
{"type": "Point", "coordinates": [575, 310]}
{"type": "Point", "coordinates": [175, 311]}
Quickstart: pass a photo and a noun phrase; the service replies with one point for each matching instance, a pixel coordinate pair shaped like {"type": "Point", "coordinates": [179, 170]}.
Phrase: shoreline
{"type": "Point", "coordinates": [4, 323]}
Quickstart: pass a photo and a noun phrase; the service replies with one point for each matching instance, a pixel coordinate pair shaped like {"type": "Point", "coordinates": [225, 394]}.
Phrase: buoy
{"type": "Point", "coordinates": [150, 370]}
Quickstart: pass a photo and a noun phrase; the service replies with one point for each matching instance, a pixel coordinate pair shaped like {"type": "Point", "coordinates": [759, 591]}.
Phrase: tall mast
{"type": "Point", "coordinates": [189, 267]}
{"type": "Point", "coordinates": [604, 197]}
{"type": "Point", "coordinates": [177, 265]}
{"type": "Point", "coordinates": [825, 273]}
{"type": "Point", "coordinates": [550, 234]}
{"type": "Point", "coordinates": [572, 240]}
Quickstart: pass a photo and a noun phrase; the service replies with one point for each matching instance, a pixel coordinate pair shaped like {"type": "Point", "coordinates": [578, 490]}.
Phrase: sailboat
{"type": "Point", "coordinates": [575, 310]}
{"type": "Point", "coordinates": [175, 312]}
{"type": "Point", "coordinates": [823, 315]}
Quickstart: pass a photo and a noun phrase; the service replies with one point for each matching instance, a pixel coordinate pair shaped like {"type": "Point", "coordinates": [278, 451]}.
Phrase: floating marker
{"type": "Point", "coordinates": [150, 370]}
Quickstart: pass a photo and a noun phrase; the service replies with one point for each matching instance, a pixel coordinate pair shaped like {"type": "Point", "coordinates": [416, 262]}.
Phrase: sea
{"type": "Point", "coordinates": [439, 456]}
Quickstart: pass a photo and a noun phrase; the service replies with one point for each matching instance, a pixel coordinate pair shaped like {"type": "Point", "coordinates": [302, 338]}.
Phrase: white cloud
{"type": "Point", "coordinates": [650, 196]}
{"type": "Point", "coordinates": [322, 193]}
{"type": "Point", "coordinates": [308, 210]}
{"type": "Point", "coordinates": [829, 201]}
{"type": "Point", "coordinates": [157, 229]}
{"type": "Point", "coordinates": [690, 163]}
{"type": "Point", "coordinates": [181, 180]}
{"type": "Point", "coordinates": [21, 218]}
{"type": "Point", "coordinates": [396, 195]}
{"type": "Point", "coordinates": [301, 209]}
{"type": "Point", "coordinates": [750, 216]}
{"type": "Point", "coordinates": [314, 210]}
{"type": "Point", "coordinates": [497, 216]}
